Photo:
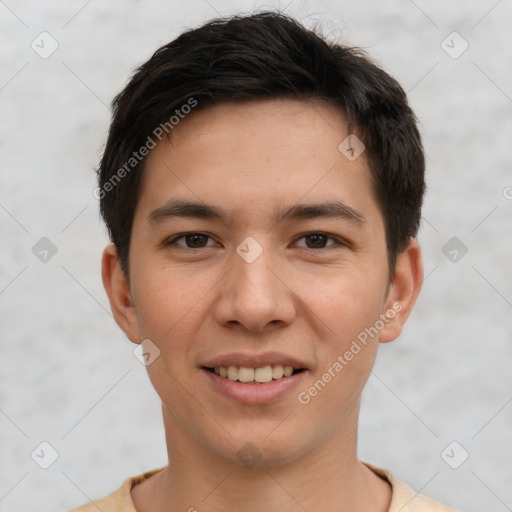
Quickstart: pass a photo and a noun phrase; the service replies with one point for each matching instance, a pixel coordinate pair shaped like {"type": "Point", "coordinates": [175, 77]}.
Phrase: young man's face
{"type": "Point", "coordinates": [284, 264]}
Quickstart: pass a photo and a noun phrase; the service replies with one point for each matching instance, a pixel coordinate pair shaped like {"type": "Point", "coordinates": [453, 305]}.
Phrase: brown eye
{"type": "Point", "coordinates": [196, 240]}
{"type": "Point", "coordinates": [192, 241]}
{"type": "Point", "coordinates": [318, 241]}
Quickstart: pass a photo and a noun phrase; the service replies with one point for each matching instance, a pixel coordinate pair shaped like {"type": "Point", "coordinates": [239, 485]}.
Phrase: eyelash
{"type": "Point", "coordinates": [338, 242]}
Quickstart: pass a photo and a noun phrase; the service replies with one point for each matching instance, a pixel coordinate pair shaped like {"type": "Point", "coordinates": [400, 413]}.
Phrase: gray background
{"type": "Point", "coordinates": [69, 376]}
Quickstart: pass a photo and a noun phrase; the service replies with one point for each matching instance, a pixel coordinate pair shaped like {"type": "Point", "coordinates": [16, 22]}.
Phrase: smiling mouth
{"type": "Point", "coordinates": [261, 375]}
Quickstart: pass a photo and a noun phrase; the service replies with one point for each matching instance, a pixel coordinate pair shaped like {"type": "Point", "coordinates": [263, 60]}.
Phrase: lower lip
{"type": "Point", "coordinates": [254, 394]}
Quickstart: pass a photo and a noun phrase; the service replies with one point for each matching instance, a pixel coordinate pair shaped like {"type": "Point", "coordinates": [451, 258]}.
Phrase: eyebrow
{"type": "Point", "coordinates": [199, 210]}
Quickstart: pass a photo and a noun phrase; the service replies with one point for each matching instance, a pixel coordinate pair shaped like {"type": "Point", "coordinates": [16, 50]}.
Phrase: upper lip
{"type": "Point", "coordinates": [254, 360]}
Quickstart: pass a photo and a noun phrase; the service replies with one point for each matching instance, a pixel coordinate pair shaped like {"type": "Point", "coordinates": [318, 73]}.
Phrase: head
{"type": "Point", "coordinates": [244, 233]}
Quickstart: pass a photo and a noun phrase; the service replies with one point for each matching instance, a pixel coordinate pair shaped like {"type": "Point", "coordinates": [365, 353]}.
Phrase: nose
{"type": "Point", "coordinates": [255, 295]}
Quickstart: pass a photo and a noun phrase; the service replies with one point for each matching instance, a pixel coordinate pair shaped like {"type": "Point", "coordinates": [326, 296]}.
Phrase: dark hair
{"type": "Point", "coordinates": [266, 55]}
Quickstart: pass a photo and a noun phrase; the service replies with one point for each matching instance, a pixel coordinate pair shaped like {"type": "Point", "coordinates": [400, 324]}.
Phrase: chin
{"type": "Point", "coordinates": [263, 448]}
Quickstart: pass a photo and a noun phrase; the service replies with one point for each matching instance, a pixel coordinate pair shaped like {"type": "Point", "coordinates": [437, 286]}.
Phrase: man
{"type": "Point", "coordinates": [262, 189]}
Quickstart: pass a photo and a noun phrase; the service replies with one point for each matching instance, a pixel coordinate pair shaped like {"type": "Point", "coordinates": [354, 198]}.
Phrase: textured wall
{"type": "Point", "coordinates": [68, 375]}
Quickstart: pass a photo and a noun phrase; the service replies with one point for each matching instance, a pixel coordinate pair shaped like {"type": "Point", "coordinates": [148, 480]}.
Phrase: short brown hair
{"type": "Point", "coordinates": [266, 55]}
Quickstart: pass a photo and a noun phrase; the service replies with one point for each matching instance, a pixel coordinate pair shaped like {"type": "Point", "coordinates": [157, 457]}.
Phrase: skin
{"type": "Point", "coordinates": [298, 297]}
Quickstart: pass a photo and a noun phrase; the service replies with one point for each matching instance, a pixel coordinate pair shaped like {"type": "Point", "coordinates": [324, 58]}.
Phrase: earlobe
{"type": "Point", "coordinates": [119, 295]}
{"type": "Point", "coordinates": [403, 291]}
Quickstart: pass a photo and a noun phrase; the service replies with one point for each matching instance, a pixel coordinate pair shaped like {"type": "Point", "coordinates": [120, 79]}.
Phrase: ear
{"type": "Point", "coordinates": [403, 291]}
{"type": "Point", "coordinates": [118, 291]}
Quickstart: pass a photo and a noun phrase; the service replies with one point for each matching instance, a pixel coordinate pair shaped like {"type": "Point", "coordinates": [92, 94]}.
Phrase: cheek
{"type": "Point", "coordinates": [168, 313]}
{"type": "Point", "coordinates": [163, 300]}
{"type": "Point", "coordinates": [172, 307]}
{"type": "Point", "coordinates": [345, 356]}
{"type": "Point", "coordinates": [346, 300]}
{"type": "Point", "coordinates": [350, 308]}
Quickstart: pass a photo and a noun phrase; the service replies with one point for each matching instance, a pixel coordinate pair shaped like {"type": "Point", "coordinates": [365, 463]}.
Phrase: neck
{"type": "Point", "coordinates": [330, 477]}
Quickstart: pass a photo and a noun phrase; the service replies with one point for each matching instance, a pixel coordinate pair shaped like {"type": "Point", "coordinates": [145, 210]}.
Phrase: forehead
{"type": "Point", "coordinates": [249, 157]}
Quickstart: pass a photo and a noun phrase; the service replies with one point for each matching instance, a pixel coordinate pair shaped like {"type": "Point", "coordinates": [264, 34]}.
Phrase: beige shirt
{"type": "Point", "coordinates": [403, 498]}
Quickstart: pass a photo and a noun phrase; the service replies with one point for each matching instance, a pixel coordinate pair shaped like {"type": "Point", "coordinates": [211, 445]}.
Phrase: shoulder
{"type": "Point", "coordinates": [118, 501]}
{"type": "Point", "coordinates": [114, 502]}
{"type": "Point", "coordinates": [405, 499]}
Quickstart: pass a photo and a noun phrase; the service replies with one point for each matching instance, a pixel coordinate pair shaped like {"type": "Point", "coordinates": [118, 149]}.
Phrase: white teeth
{"type": "Point", "coordinates": [245, 374]}
{"type": "Point", "coordinates": [263, 374]}
{"type": "Point", "coordinates": [251, 375]}
{"type": "Point", "coordinates": [232, 373]}
{"type": "Point", "coordinates": [277, 371]}
{"type": "Point", "coordinates": [287, 370]}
